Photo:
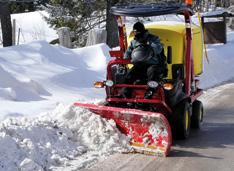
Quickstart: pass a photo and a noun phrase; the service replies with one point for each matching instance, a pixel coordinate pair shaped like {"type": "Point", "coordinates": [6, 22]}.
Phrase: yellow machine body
{"type": "Point", "coordinates": [174, 35]}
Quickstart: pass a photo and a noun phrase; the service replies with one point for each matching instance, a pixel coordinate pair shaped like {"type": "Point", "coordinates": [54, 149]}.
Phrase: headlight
{"type": "Point", "coordinates": [152, 84]}
{"type": "Point", "coordinates": [109, 83]}
{"type": "Point", "coordinates": [98, 84]}
{"type": "Point", "coordinates": [168, 86]}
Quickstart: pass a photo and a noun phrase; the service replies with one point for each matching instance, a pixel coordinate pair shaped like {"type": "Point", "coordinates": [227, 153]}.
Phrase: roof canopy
{"type": "Point", "coordinates": [218, 13]}
{"type": "Point", "coordinates": [147, 10]}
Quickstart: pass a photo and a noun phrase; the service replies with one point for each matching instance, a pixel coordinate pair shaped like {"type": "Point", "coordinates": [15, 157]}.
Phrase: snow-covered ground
{"type": "Point", "coordinates": [40, 129]}
{"type": "Point", "coordinates": [219, 68]}
{"type": "Point", "coordinates": [37, 76]}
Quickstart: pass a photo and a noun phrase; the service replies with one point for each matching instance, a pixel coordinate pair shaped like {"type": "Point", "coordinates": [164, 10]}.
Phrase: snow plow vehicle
{"type": "Point", "coordinates": [173, 108]}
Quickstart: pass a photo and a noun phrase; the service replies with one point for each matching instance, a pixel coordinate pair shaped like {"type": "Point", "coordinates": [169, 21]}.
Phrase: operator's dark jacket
{"type": "Point", "coordinates": [153, 41]}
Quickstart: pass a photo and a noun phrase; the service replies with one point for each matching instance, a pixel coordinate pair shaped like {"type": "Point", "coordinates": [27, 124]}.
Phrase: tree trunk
{"type": "Point", "coordinates": [218, 3]}
{"type": "Point", "coordinates": [5, 17]}
{"type": "Point", "coordinates": [111, 25]}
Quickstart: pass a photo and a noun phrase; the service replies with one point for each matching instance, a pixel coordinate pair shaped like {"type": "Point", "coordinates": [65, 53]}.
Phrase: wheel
{"type": "Point", "coordinates": [181, 127]}
{"type": "Point", "coordinates": [197, 115]}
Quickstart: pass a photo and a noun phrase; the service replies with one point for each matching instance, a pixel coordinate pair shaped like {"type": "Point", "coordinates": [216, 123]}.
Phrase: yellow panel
{"type": "Point", "coordinates": [197, 51]}
{"type": "Point", "coordinates": [174, 36]}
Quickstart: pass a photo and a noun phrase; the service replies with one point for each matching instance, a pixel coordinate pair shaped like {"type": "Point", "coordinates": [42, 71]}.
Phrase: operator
{"type": "Point", "coordinates": [145, 52]}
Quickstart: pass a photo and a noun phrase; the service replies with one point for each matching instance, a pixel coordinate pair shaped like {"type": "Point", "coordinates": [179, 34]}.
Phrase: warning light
{"type": "Point", "coordinates": [189, 2]}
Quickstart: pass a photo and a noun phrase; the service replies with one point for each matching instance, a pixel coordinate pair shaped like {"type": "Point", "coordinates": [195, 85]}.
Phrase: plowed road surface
{"type": "Point", "coordinates": [209, 149]}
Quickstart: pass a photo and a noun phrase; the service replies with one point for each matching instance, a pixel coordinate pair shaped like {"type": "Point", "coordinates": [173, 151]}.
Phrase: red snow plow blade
{"type": "Point", "coordinates": [149, 132]}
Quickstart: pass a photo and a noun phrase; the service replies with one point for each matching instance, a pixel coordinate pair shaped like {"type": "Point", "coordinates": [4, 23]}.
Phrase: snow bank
{"type": "Point", "coordinates": [35, 77]}
{"type": "Point", "coordinates": [41, 61]}
{"type": "Point", "coordinates": [68, 137]}
{"type": "Point", "coordinates": [13, 89]}
{"type": "Point", "coordinates": [7, 94]}
{"type": "Point", "coordinates": [220, 66]}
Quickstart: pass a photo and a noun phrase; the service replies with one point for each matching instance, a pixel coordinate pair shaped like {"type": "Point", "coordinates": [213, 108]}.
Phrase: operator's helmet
{"type": "Point", "coordinates": [138, 28]}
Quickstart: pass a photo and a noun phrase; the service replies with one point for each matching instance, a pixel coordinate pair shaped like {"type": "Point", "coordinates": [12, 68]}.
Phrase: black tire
{"type": "Point", "coordinates": [197, 115]}
{"type": "Point", "coordinates": [181, 128]}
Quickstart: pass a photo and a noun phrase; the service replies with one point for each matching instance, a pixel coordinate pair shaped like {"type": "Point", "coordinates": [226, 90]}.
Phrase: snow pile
{"type": "Point", "coordinates": [7, 94]}
{"type": "Point", "coordinates": [41, 75]}
{"type": "Point", "coordinates": [41, 61]}
{"type": "Point", "coordinates": [68, 137]}
{"type": "Point", "coordinates": [220, 67]}
{"type": "Point", "coordinates": [13, 89]}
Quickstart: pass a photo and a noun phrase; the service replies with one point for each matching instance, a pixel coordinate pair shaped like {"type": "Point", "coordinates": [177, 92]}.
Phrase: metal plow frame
{"type": "Point", "coordinates": [149, 132]}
